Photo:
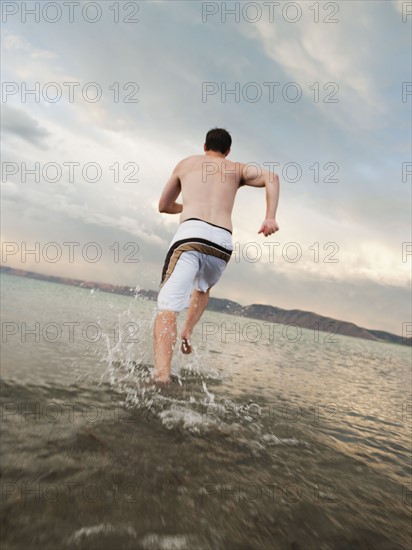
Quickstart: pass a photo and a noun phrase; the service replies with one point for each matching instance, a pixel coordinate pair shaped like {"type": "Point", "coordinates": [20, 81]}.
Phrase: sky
{"type": "Point", "coordinates": [121, 91]}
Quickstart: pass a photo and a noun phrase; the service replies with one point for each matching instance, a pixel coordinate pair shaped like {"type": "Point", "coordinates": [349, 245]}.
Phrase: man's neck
{"type": "Point", "coordinates": [214, 154]}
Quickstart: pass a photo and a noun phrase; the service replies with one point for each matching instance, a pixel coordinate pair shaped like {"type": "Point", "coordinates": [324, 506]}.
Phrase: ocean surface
{"type": "Point", "coordinates": [268, 437]}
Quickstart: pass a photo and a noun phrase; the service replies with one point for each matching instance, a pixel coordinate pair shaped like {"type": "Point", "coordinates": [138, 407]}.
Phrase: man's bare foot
{"type": "Point", "coordinates": [161, 381]}
{"type": "Point", "coordinates": [186, 347]}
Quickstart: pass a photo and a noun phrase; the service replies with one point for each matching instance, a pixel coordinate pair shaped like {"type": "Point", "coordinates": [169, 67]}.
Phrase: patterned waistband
{"type": "Point", "coordinates": [209, 223]}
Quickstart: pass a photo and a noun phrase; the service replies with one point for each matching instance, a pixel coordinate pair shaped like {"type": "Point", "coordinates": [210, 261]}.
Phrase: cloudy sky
{"type": "Point", "coordinates": [124, 90]}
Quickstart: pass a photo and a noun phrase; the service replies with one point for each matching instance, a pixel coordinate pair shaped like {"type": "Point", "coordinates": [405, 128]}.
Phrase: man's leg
{"type": "Point", "coordinates": [197, 306]}
{"type": "Point", "coordinates": [164, 340]}
{"type": "Point", "coordinates": [209, 274]}
{"type": "Point", "coordinates": [174, 296]}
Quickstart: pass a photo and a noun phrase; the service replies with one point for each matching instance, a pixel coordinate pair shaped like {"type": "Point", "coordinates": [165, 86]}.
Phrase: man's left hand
{"type": "Point", "coordinates": [269, 226]}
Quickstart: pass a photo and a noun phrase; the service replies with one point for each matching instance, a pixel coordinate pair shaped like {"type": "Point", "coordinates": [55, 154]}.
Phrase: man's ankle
{"type": "Point", "coordinates": [186, 334]}
{"type": "Point", "coordinates": [162, 379]}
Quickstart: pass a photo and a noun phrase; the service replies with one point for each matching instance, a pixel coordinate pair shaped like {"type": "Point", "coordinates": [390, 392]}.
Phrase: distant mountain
{"type": "Point", "coordinates": [271, 314]}
{"type": "Point", "coordinates": [305, 319]}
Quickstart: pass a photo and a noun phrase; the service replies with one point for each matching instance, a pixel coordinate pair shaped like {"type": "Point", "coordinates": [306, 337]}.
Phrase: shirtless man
{"type": "Point", "coordinates": [202, 245]}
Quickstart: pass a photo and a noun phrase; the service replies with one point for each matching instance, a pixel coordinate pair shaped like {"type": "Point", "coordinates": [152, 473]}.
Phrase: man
{"type": "Point", "coordinates": [202, 245]}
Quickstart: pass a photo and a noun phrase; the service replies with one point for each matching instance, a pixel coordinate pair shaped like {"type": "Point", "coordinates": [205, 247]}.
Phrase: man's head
{"type": "Point", "coordinates": [218, 140]}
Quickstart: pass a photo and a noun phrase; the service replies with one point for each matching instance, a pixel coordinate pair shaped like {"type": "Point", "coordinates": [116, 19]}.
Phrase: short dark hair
{"type": "Point", "coordinates": [218, 139]}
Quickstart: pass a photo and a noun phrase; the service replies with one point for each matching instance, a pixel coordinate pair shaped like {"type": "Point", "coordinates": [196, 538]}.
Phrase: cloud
{"type": "Point", "coordinates": [18, 43]}
{"type": "Point", "coordinates": [398, 5]}
{"type": "Point", "coordinates": [366, 134]}
{"type": "Point", "coordinates": [310, 52]}
{"type": "Point", "coordinates": [19, 123]}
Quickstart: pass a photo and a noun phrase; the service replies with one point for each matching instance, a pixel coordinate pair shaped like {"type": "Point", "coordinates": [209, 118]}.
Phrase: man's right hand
{"type": "Point", "coordinates": [268, 227]}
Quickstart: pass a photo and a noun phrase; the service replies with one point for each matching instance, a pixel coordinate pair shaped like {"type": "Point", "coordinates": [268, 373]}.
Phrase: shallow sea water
{"type": "Point", "coordinates": [265, 439]}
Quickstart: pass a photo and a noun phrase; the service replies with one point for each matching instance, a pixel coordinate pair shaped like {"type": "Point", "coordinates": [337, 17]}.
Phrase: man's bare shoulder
{"type": "Point", "coordinates": [192, 158]}
{"type": "Point", "coordinates": [239, 165]}
{"type": "Point", "coordinates": [188, 161]}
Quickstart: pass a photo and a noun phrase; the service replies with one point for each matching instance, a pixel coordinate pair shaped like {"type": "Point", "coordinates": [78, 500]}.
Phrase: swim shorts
{"type": "Point", "coordinates": [197, 257]}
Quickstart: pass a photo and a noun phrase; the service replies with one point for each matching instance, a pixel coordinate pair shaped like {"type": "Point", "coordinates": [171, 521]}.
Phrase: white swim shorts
{"type": "Point", "coordinates": [197, 257]}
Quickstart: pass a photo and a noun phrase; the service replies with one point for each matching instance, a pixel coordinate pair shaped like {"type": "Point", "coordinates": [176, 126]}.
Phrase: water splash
{"type": "Point", "coordinates": [189, 402]}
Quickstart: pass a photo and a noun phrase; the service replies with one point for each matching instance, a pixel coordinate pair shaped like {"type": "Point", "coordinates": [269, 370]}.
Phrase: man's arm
{"type": "Point", "coordinates": [255, 177]}
{"type": "Point", "coordinates": [172, 189]}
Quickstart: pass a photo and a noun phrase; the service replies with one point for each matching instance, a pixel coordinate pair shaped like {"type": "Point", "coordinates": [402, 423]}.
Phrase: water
{"type": "Point", "coordinates": [261, 441]}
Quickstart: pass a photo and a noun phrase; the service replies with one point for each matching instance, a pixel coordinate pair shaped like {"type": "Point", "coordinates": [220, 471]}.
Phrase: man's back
{"type": "Point", "coordinates": [209, 184]}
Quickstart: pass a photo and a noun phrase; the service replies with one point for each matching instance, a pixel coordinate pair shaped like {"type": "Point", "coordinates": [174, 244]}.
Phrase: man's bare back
{"type": "Point", "coordinates": [209, 184]}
